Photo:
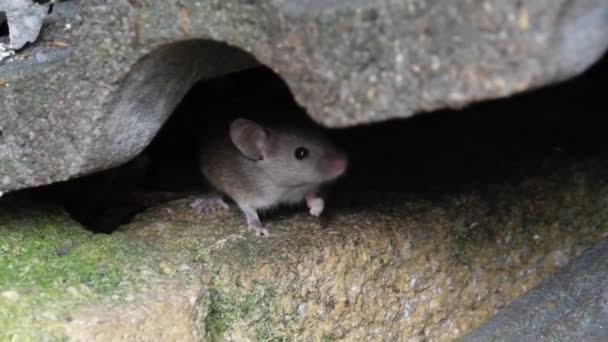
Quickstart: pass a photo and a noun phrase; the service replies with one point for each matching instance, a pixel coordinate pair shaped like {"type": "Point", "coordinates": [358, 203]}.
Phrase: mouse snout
{"type": "Point", "coordinates": [334, 165]}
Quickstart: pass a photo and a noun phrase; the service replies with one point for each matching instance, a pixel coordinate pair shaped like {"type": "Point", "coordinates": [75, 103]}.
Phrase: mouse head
{"type": "Point", "coordinates": [293, 155]}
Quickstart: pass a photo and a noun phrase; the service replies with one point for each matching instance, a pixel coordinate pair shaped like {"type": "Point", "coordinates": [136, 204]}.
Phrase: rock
{"type": "Point", "coordinates": [103, 286]}
{"type": "Point", "coordinates": [571, 305]}
{"type": "Point", "coordinates": [390, 265]}
{"type": "Point", "coordinates": [24, 18]}
{"type": "Point", "coordinates": [107, 75]}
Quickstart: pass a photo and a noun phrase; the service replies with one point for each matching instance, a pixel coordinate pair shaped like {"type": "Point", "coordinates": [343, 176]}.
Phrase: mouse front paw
{"type": "Point", "coordinates": [259, 230]}
{"type": "Point", "coordinates": [208, 204]}
{"type": "Point", "coordinates": [316, 205]}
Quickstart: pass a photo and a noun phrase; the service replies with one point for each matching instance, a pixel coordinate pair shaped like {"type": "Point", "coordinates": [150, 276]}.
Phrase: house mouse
{"type": "Point", "coordinates": [260, 166]}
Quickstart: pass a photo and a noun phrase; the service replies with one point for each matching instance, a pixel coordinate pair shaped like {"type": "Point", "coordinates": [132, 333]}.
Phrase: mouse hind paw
{"type": "Point", "coordinates": [208, 204]}
{"type": "Point", "coordinates": [259, 230]}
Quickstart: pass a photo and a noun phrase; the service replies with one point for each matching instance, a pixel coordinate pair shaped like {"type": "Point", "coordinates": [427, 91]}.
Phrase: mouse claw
{"type": "Point", "coordinates": [259, 231]}
{"type": "Point", "coordinates": [209, 203]}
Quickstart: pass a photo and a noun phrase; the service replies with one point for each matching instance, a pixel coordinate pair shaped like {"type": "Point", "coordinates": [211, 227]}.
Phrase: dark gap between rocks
{"type": "Point", "coordinates": [428, 155]}
{"type": "Point", "coordinates": [3, 25]}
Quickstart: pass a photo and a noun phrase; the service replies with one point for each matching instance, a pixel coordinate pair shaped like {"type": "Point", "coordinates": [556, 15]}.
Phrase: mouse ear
{"type": "Point", "coordinates": [249, 137]}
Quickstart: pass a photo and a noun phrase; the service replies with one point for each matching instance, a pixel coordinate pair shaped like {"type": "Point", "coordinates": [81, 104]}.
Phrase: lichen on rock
{"type": "Point", "coordinates": [389, 265]}
{"type": "Point", "coordinates": [53, 273]}
{"type": "Point", "coordinates": [395, 267]}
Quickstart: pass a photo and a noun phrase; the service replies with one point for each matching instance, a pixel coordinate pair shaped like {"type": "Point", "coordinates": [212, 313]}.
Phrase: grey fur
{"type": "Point", "coordinates": [263, 172]}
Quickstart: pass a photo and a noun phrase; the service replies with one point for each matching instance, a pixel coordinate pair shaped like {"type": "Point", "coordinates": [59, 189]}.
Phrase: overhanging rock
{"type": "Point", "coordinates": [103, 77]}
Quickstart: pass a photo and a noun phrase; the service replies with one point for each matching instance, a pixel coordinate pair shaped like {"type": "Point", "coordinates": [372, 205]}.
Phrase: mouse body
{"type": "Point", "coordinates": [261, 166]}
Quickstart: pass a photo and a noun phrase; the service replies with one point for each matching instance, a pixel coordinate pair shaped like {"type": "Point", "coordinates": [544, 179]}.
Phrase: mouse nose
{"type": "Point", "coordinates": [334, 165]}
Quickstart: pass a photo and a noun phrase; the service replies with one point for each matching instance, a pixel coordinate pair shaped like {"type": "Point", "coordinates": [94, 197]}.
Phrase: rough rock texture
{"type": "Point", "coordinates": [390, 266]}
{"type": "Point", "coordinates": [104, 76]}
{"type": "Point", "coordinates": [570, 306]}
{"type": "Point", "coordinates": [57, 280]}
{"type": "Point", "coordinates": [24, 19]}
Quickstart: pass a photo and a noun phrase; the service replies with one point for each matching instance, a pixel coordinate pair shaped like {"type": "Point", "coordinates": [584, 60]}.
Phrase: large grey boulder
{"type": "Point", "coordinates": [391, 266]}
{"type": "Point", "coordinates": [104, 76]}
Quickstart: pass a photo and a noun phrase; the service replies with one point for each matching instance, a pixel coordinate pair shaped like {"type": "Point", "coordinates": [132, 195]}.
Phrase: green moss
{"type": "Point", "coordinates": [327, 338]}
{"type": "Point", "coordinates": [226, 308]}
{"type": "Point", "coordinates": [265, 331]}
{"type": "Point", "coordinates": [218, 317]}
{"type": "Point", "coordinates": [49, 264]}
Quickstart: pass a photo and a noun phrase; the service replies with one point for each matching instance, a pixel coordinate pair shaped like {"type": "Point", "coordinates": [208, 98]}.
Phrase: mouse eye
{"type": "Point", "coordinates": [301, 153]}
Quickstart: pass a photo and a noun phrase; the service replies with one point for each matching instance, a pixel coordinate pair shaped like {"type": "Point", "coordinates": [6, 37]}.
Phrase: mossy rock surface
{"type": "Point", "coordinates": [380, 265]}
{"type": "Point", "coordinates": [59, 281]}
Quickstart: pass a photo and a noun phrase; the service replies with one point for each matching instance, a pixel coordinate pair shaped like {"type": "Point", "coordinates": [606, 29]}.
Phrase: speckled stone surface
{"type": "Point", "coordinates": [388, 262]}
{"type": "Point", "coordinates": [60, 282]}
{"type": "Point", "coordinates": [572, 305]}
{"type": "Point", "coordinates": [104, 76]}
